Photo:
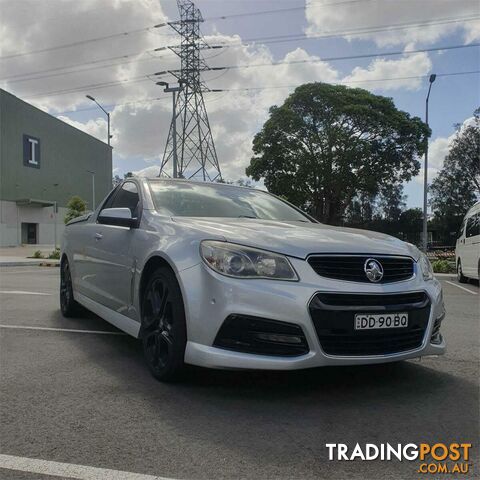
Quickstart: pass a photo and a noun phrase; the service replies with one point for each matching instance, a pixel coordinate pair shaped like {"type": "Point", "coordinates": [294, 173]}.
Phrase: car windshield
{"type": "Point", "coordinates": [176, 198]}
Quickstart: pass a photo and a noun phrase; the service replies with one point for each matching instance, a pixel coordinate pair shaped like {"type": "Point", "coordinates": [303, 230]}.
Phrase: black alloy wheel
{"type": "Point", "coordinates": [68, 305]}
{"type": "Point", "coordinates": [460, 277]}
{"type": "Point", "coordinates": [164, 333]}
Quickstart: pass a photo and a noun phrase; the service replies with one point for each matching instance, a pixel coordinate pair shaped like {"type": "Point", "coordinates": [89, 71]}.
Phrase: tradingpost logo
{"type": "Point", "coordinates": [434, 458]}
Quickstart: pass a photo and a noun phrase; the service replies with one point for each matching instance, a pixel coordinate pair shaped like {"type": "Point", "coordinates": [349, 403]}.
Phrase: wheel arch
{"type": "Point", "coordinates": [63, 259]}
{"type": "Point", "coordinates": [153, 263]}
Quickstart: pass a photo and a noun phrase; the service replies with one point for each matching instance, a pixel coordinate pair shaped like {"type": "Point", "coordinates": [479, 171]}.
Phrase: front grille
{"type": "Point", "coordinates": [416, 299]}
{"type": "Point", "coordinates": [351, 267]}
{"type": "Point", "coordinates": [333, 317]}
{"type": "Point", "coordinates": [248, 334]}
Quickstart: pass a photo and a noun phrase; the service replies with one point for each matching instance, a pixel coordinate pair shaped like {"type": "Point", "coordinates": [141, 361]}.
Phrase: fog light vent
{"type": "Point", "coordinates": [248, 334]}
{"type": "Point", "coordinates": [436, 338]}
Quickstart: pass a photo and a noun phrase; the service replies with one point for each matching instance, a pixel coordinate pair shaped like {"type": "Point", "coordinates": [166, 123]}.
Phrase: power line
{"type": "Point", "coordinates": [231, 67]}
{"type": "Point", "coordinates": [37, 75]}
{"type": "Point", "coordinates": [94, 86]}
{"type": "Point", "coordinates": [152, 27]}
{"type": "Point", "coordinates": [283, 10]}
{"type": "Point", "coordinates": [272, 87]}
{"type": "Point", "coordinates": [391, 79]}
{"type": "Point", "coordinates": [81, 70]}
{"type": "Point", "coordinates": [83, 42]}
{"type": "Point", "coordinates": [266, 40]}
{"type": "Point", "coordinates": [340, 33]}
{"type": "Point", "coordinates": [339, 58]}
{"type": "Point", "coordinates": [286, 10]}
{"type": "Point", "coordinates": [356, 32]}
{"type": "Point", "coordinates": [133, 102]}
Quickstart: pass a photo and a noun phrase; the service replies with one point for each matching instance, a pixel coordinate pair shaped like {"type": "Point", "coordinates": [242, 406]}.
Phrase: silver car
{"type": "Point", "coordinates": [228, 277]}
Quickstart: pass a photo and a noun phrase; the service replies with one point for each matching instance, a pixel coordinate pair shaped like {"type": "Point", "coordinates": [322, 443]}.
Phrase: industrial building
{"type": "Point", "coordinates": [43, 163]}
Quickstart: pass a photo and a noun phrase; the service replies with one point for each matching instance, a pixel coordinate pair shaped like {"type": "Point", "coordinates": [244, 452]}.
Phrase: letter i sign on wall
{"type": "Point", "coordinates": [31, 151]}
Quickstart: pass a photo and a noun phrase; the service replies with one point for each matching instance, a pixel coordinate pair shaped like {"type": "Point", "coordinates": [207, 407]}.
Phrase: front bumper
{"type": "Point", "coordinates": [210, 298]}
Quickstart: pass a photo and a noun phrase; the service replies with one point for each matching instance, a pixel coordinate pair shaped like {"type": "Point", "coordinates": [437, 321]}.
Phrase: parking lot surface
{"type": "Point", "coordinates": [87, 399]}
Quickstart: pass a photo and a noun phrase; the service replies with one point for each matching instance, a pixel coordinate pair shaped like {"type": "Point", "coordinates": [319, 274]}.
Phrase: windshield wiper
{"type": "Point", "coordinates": [246, 216]}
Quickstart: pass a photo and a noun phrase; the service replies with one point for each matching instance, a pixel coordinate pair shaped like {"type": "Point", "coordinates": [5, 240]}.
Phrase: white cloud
{"type": "Point", "coordinates": [151, 171]}
{"type": "Point", "coordinates": [141, 129]}
{"type": "Point", "coordinates": [95, 127]}
{"type": "Point", "coordinates": [61, 22]}
{"type": "Point", "coordinates": [359, 17]}
{"type": "Point", "coordinates": [437, 151]}
{"type": "Point", "coordinates": [415, 65]}
{"type": "Point", "coordinates": [472, 31]}
{"type": "Point", "coordinates": [140, 122]}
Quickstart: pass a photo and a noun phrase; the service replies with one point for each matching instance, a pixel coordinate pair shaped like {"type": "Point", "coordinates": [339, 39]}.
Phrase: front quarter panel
{"type": "Point", "coordinates": [159, 236]}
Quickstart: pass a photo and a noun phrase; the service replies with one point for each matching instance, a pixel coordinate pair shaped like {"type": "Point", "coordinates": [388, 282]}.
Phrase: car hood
{"type": "Point", "coordinates": [298, 239]}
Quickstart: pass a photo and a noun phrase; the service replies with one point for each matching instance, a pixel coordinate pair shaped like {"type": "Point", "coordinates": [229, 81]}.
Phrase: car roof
{"type": "Point", "coordinates": [194, 182]}
{"type": "Point", "coordinates": [474, 209]}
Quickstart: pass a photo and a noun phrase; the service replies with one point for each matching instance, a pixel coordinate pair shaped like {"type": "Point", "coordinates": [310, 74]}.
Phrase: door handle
{"type": "Point", "coordinates": [98, 236]}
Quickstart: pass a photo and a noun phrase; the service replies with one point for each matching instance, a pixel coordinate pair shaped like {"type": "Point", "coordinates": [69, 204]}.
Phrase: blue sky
{"type": "Point", "coordinates": [140, 126]}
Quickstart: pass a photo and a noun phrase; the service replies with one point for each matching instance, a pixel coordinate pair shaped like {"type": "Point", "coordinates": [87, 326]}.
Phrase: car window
{"type": "Point", "coordinates": [462, 228]}
{"type": "Point", "coordinates": [208, 200]}
{"type": "Point", "coordinates": [127, 197]}
{"type": "Point", "coordinates": [473, 226]}
{"type": "Point", "coordinates": [111, 196]}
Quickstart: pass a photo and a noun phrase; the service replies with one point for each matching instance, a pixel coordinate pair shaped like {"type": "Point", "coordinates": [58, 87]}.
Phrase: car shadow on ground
{"type": "Point", "coordinates": [403, 395]}
{"type": "Point", "coordinates": [323, 380]}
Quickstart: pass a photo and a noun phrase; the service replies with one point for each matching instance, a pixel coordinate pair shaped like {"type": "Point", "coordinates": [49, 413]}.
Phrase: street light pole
{"type": "Point", "coordinates": [425, 174]}
{"type": "Point", "coordinates": [108, 117]}
{"type": "Point", "coordinates": [93, 189]}
{"type": "Point", "coordinates": [174, 91]}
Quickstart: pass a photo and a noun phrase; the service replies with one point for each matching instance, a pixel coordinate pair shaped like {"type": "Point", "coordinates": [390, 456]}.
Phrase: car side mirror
{"type": "Point", "coordinates": [120, 217]}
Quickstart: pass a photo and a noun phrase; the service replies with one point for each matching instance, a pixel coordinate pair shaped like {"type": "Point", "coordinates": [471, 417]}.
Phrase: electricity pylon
{"type": "Point", "coordinates": [196, 154]}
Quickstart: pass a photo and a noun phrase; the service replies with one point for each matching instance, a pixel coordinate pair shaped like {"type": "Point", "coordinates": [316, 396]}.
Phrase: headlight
{"type": "Point", "coordinates": [425, 267]}
{"type": "Point", "coordinates": [245, 262]}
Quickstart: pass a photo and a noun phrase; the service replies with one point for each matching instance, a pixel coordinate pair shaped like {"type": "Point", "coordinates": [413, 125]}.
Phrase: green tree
{"type": "Point", "coordinates": [327, 144]}
{"type": "Point", "coordinates": [76, 207]}
{"type": "Point", "coordinates": [392, 202]}
{"type": "Point", "coordinates": [457, 186]}
{"type": "Point", "coordinates": [410, 225]}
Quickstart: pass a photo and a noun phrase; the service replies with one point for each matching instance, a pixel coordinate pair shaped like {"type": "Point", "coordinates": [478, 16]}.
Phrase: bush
{"type": "Point", "coordinates": [55, 255]}
{"type": "Point", "coordinates": [38, 254]}
{"type": "Point", "coordinates": [76, 207]}
{"type": "Point", "coordinates": [443, 266]}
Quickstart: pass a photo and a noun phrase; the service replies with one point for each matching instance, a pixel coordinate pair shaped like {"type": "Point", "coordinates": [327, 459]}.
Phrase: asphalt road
{"type": "Point", "coordinates": [87, 399]}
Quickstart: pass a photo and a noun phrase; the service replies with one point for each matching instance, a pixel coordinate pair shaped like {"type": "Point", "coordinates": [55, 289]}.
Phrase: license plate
{"type": "Point", "coordinates": [368, 321]}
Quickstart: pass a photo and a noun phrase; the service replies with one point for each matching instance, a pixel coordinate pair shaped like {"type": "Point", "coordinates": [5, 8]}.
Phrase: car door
{"type": "Point", "coordinates": [111, 254]}
{"type": "Point", "coordinates": [472, 246]}
{"type": "Point", "coordinates": [81, 245]}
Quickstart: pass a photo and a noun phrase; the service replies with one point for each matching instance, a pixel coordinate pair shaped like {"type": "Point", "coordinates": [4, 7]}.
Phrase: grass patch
{"type": "Point", "coordinates": [443, 266]}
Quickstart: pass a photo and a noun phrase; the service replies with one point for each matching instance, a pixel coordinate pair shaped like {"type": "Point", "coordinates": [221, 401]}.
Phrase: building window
{"type": "Point", "coordinates": [31, 151]}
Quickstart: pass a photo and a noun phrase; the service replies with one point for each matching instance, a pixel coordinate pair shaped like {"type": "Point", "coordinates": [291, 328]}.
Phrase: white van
{"type": "Point", "coordinates": [467, 250]}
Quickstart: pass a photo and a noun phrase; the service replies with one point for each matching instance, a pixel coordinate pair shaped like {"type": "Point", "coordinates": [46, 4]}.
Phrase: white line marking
{"type": "Point", "coordinates": [21, 292]}
{"type": "Point", "coordinates": [69, 470]}
{"type": "Point", "coordinates": [39, 269]}
{"type": "Point", "coordinates": [463, 288]}
{"type": "Point", "coordinates": [53, 329]}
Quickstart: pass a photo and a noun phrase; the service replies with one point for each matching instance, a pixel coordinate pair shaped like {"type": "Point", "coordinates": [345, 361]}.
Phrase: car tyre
{"type": "Point", "coordinates": [68, 305]}
{"type": "Point", "coordinates": [460, 277]}
{"type": "Point", "coordinates": [164, 331]}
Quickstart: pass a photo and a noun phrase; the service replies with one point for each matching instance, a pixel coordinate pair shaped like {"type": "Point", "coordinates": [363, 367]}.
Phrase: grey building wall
{"type": "Point", "coordinates": [63, 157]}
{"type": "Point", "coordinates": [66, 154]}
